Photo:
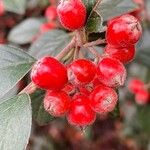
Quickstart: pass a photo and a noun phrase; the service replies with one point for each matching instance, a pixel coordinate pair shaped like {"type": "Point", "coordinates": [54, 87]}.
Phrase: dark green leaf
{"type": "Point", "coordinates": [24, 32]}
{"type": "Point", "coordinates": [39, 114]}
{"type": "Point", "coordinates": [14, 65]}
{"type": "Point", "coordinates": [15, 123]}
{"type": "Point", "coordinates": [50, 43]}
{"type": "Point", "coordinates": [143, 115]}
{"type": "Point", "coordinates": [143, 49]}
{"type": "Point", "coordinates": [94, 23]}
{"type": "Point", "coordinates": [112, 8]}
{"type": "Point", "coordinates": [16, 6]}
{"type": "Point", "coordinates": [89, 5]}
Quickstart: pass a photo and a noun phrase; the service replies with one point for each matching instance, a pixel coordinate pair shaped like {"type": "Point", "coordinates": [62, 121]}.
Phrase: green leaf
{"type": "Point", "coordinates": [143, 49]}
{"type": "Point", "coordinates": [15, 123]}
{"type": "Point", "coordinates": [16, 6]}
{"type": "Point", "coordinates": [24, 32]}
{"type": "Point", "coordinates": [39, 114]}
{"type": "Point", "coordinates": [89, 5]}
{"type": "Point", "coordinates": [50, 43]}
{"type": "Point", "coordinates": [143, 115]}
{"type": "Point", "coordinates": [113, 8]}
{"type": "Point", "coordinates": [94, 23]}
{"type": "Point", "coordinates": [14, 65]}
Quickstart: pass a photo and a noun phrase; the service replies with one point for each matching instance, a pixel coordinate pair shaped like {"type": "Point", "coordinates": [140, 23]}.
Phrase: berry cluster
{"type": "Point", "coordinates": [140, 90]}
{"type": "Point", "coordinates": [83, 88]}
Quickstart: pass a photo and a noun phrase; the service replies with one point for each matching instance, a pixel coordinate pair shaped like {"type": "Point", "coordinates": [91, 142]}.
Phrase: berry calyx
{"type": "Point", "coordinates": [103, 99]}
{"type": "Point", "coordinates": [135, 85]}
{"type": "Point", "coordinates": [81, 71]}
{"type": "Point", "coordinates": [80, 112]}
{"type": "Point", "coordinates": [142, 97]}
{"type": "Point", "coordinates": [124, 54]}
{"type": "Point", "coordinates": [56, 103]}
{"type": "Point", "coordinates": [111, 72]}
{"type": "Point", "coordinates": [72, 14]}
{"type": "Point", "coordinates": [123, 31]}
{"type": "Point", "coordinates": [51, 13]}
{"type": "Point", "coordinates": [48, 73]}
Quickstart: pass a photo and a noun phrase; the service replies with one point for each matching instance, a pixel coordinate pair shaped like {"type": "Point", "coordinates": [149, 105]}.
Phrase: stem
{"type": "Point", "coordinates": [94, 43]}
{"type": "Point", "coordinates": [66, 49]}
{"type": "Point", "coordinates": [29, 89]}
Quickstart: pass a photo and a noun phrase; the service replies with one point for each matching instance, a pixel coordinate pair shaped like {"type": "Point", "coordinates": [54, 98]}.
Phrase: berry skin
{"type": "Point", "coordinates": [56, 103]}
{"type": "Point", "coordinates": [142, 97]}
{"type": "Point", "coordinates": [103, 99]}
{"type": "Point", "coordinates": [135, 85]}
{"type": "Point", "coordinates": [111, 72]}
{"type": "Point", "coordinates": [123, 31]}
{"type": "Point", "coordinates": [51, 13]}
{"type": "Point", "coordinates": [81, 71]}
{"type": "Point", "coordinates": [48, 73]}
{"type": "Point", "coordinates": [72, 14]}
{"type": "Point", "coordinates": [80, 112]}
{"type": "Point", "coordinates": [124, 54]}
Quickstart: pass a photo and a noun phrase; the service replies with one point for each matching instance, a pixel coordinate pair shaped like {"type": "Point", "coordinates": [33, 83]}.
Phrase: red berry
{"type": "Point", "coordinates": [48, 73]}
{"type": "Point", "coordinates": [123, 31]}
{"type": "Point", "coordinates": [47, 26]}
{"type": "Point", "coordinates": [2, 9]}
{"type": "Point", "coordinates": [81, 71]}
{"type": "Point", "coordinates": [72, 14]}
{"type": "Point", "coordinates": [142, 96]}
{"type": "Point", "coordinates": [111, 72]}
{"type": "Point", "coordinates": [80, 112]}
{"type": "Point", "coordinates": [56, 103]}
{"type": "Point", "coordinates": [124, 54]}
{"type": "Point", "coordinates": [135, 85]}
{"type": "Point", "coordinates": [103, 99]}
{"type": "Point", "coordinates": [51, 13]}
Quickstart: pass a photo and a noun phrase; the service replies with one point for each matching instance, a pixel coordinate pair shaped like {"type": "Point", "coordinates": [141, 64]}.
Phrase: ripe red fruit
{"type": "Point", "coordinates": [80, 112]}
{"type": "Point", "coordinates": [72, 14]}
{"type": "Point", "coordinates": [2, 9]}
{"type": "Point", "coordinates": [45, 27]}
{"type": "Point", "coordinates": [81, 71]}
{"type": "Point", "coordinates": [56, 103]}
{"type": "Point", "coordinates": [111, 72]}
{"type": "Point", "coordinates": [142, 97]}
{"type": "Point", "coordinates": [124, 54]}
{"type": "Point", "coordinates": [48, 73]}
{"type": "Point", "coordinates": [51, 13]}
{"type": "Point", "coordinates": [123, 31]}
{"type": "Point", "coordinates": [103, 99]}
{"type": "Point", "coordinates": [135, 85]}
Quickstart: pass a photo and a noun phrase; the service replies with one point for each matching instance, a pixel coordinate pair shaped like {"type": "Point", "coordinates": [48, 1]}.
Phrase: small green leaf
{"type": "Point", "coordinates": [113, 8]}
{"type": "Point", "coordinates": [15, 123]}
{"type": "Point", "coordinates": [16, 6]}
{"type": "Point", "coordinates": [14, 65]}
{"type": "Point", "coordinates": [39, 114]}
{"type": "Point", "coordinates": [50, 43]}
{"type": "Point", "coordinates": [89, 5]}
{"type": "Point", "coordinates": [94, 23]}
{"type": "Point", "coordinates": [24, 32]}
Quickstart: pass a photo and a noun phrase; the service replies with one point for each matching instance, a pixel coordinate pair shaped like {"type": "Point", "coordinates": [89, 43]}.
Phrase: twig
{"type": "Point", "coordinates": [94, 43]}
{"type": "Point", "coordinates": [66, 49]}
{"type": "Point", "coordinates": [29, 89]}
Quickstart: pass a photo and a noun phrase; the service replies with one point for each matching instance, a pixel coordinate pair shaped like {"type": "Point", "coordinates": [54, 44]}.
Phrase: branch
{"type": "Point", "coordinates": [66, 49]}
{"type": "Point", "coordinates": [94, 43]}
